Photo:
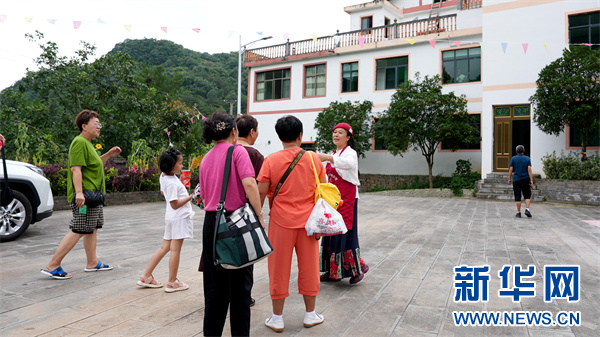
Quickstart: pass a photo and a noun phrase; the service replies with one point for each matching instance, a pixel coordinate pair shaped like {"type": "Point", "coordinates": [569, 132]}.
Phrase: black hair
{"type": "Point", "coordinates": [84, 117]}
{"type": "Point", "coordinates": [245, 124]}
{"type": "Point", "coordinates": [351, 141]}
{"type": "Point", "coordinates": [217, 127]}
{"type": "Point", "coordinates": [288, 128]}
{"type": "Point", "coordinates": [168, 159]}
{"type": "Point", "coordinates": [520, 149]}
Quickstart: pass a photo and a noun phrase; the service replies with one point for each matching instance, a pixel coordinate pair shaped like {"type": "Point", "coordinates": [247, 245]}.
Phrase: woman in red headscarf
{"type": "Point", "coordinates": [340, 254]}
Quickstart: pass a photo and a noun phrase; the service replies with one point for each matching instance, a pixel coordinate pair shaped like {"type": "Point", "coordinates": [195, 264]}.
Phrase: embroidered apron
{"type": "Point", "coordinates": [348, 192]}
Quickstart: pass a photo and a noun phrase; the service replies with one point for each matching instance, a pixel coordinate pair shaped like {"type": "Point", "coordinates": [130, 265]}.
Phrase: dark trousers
{"type": "Point", "coordinates": [224, 289]}
{"type": "Point", "coordinates": [522, 186]}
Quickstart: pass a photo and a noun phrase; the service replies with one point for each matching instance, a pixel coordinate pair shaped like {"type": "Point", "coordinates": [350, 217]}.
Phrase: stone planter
{"type": "Point", "coordinates": [61, 203]}
{"type": "Point", "coordinates": [585, 192]}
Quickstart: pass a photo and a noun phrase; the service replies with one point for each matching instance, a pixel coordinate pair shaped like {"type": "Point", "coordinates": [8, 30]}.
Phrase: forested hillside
{"type": "Point", "coordinates": [192, 77]}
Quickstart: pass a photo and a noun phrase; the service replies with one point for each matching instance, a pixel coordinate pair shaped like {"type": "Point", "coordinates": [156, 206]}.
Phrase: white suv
{"type": "Point", "coordinates": [33, 199]}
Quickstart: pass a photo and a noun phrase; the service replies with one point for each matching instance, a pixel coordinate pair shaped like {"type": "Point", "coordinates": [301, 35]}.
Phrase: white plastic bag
{"type": "Point", "coordinates": [324, 221]}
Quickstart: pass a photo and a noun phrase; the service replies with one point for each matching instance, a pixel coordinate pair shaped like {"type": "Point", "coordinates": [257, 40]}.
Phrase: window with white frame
{"type": "Point", "coordinates": [273, 84]}
{"type": "Point", "coordinates": [314, 80]}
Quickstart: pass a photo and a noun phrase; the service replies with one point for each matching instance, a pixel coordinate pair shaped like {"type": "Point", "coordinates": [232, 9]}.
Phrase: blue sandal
{"type": "Point", "coordinates": [57, 273]}
{"type": "Point", "coordinates": [100, 266]}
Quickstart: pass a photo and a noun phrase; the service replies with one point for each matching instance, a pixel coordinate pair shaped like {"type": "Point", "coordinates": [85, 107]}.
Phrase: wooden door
{"type": "Point", "coordinates": [506, 119]}
{"type": "Point", "coordinates": [502, 137]}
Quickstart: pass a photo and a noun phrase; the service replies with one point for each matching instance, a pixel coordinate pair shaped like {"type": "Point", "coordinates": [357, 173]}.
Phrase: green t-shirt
{"type": "Point", "coordinates": [82, 153]}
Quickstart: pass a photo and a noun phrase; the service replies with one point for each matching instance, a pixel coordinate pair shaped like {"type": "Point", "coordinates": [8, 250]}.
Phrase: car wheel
{"type": "Point", "coordinates": [15, 218]}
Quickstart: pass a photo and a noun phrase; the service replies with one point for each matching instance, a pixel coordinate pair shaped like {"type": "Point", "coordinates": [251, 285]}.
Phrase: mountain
{"type": "Point", "coordinates": [192, 77]}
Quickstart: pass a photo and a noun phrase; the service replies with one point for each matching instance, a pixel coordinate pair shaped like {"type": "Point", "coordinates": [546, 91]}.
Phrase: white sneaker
{"type": "Point", "coordinates": [276, 326]}
{"type": "Point", "coordinates": [310, 321]}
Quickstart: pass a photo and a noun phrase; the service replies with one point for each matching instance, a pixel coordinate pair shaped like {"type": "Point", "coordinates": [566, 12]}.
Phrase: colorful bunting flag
{"type": "Point", "coordinates": [482, 44]}
{"type": "Point", "coordinates": [2, 18]}
{"type": "Point", "coordinates": [336, 39]}
{"type": "Point", "coordinates": [456, 43]}
{"type": "Point", "coordinates": [29, 19]}
{"type": "Point", "coordinates": [525, 45]}
{"type": "Point", "coordinates": [387, 40]}
{"type": "Point", "coordinates": [314, 37]}
{"type": "Point", "coordinates": [197, 30]}
{"type": "Point", "coordinates": [166, 130]}
{"type": "Point", "coordinates": [587, 44]}
{"type": "Point", "coordinates": [204, 118]}
{"type": "Point", "coordinates": [164, 29]}
{"type": "Point", "coordinates": [568, 47]}
{"type": "Point", "coordinates": [192, 119]}
{"type": "Point", "coordinates": [285, 36]}
{"type": "Point", "coordinates": [259, 33]}
{"type": "Point", "coordinates": [52, 21]}
{"type": "Point", "coordinates": [504, 45]}
{"type": "Point", "coordinates": [546, 46]}
{"type": "Point", "coordinates": [169, 133]}
{"type": "Point", "coordinates": [432, 43]}
{"type": "Point", "coordinates": [411, 41]}
{"type": "Point", "coordinates": [361, 41]}
{"type": "Point", "coordinates": [230, 33]}
{"type": "Point", "coordinates": [127, 27]}
{"type": "Point", "coordinates": [101, 21]}
{"type": "Point", "coordinates": [76, 24]}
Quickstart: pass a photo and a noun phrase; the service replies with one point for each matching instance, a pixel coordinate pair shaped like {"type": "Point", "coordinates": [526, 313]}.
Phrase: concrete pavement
{"type": "Point", "coordinates": [411, 245]}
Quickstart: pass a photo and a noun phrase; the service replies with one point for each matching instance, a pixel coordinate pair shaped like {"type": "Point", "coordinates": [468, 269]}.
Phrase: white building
{"type": "Point", "coordinates": [492, 53]}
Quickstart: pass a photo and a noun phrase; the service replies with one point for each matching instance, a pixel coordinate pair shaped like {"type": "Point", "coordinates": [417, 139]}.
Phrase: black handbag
{"type": "Point", "coordinates": [6, 196]}
{"type": "Point", "coordinates": [92, 198]}
{"type": "Point", "coordinates": [239, 239]}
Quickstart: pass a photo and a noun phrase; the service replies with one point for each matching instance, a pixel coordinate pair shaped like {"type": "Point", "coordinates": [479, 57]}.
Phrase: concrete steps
{"type": "Point", "coordinates": [495, 186]}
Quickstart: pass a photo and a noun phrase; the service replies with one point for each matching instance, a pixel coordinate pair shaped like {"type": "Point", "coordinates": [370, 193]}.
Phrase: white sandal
{"type": "Point", "coordinates": [146, 282]}
{"type": "Point", "coordinates": [176, 286]}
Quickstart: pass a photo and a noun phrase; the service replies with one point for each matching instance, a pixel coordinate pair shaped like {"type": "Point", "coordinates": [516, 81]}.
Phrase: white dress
{"type": "Point", "coordinates": [178, 222]}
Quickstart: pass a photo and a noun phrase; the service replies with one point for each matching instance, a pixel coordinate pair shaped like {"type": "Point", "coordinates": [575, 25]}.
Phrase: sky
{"type": "Point", "coordinates": [105, 23]}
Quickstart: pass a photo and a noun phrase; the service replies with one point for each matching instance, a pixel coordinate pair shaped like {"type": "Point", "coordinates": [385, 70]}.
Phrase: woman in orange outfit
{"type": "Point", "coordinates": [290, 210]}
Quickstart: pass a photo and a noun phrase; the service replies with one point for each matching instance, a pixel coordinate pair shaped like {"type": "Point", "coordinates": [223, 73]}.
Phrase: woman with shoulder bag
{"type": "Point", "coordinates": [225, 288]}
{"type": "Point", "coordinates": [340, 254]}
{"type": "Point", "coordinates": [85, 177]}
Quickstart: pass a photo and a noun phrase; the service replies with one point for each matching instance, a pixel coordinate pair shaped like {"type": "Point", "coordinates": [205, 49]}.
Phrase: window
{"type": "Point", "coordinates": [366, 22]}
{"type": "Point", "coordinates": [575, 137]}
{"type": "Point", "coordinates": [462, 65]}
{"type": "Point", "coordinates": [350, 77]}
{"type": "Point", "coordinates": [392, 72]}
{"type": "Point", "coordinates": [585, 28]}
{"type": "Point", "coordinates": [460, 145]}
{"type": "Point", "coordinates": [314, 81]}
{"type": "Point", "coordinates": [273, 84]}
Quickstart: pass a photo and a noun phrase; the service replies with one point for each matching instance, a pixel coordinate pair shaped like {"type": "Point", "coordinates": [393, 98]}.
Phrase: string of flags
{"type": "Point", "coordinates": [360, 39]}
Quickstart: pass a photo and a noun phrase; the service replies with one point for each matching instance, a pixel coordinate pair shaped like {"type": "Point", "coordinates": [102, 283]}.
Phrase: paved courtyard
{"type": "Point", "coordinates": [411, 245]}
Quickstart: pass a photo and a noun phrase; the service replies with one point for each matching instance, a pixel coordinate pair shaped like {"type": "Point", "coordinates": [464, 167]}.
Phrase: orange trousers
{"type": "Point", "coordinates": [284, 240]}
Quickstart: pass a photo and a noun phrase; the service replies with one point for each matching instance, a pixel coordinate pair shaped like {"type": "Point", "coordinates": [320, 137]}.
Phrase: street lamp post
{"type": "Point", "coordinates": [239, 94]}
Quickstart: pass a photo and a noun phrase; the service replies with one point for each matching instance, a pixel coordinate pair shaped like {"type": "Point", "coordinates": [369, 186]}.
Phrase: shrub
{"type": "Point", "coordinates": [57, 174]}
{"type": "Point", "coordinates": [571, 167]}
{"type": "Point", "coordinates": [463, 177]}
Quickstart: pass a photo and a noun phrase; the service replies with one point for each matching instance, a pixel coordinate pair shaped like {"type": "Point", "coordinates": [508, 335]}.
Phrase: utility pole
{"type": "Point", "coordinates": [231, 102]}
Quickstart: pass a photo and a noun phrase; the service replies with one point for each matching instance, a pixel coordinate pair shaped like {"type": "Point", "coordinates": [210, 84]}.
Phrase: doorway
{"type": "Point", "coordinates": [512, 127]}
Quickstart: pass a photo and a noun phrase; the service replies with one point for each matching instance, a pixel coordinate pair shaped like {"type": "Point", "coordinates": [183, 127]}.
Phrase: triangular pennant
{"type": "Point", "coordinates": [387, 40]}
{"type": "Point", "coordinates": [164, 29]}
{"type": "Point", "coordinates": [336, 39]}
{"type": "Point", "coordinates": [314, 37]}
{"type": "Point", "coordinates": [285, 36]}
{"type": "Point", "coordinates": [76, 24]}
{"type": "Point", "coordinates": [525, 45]}
{"type": "Point", "coordinates": [29, 19]}
{"type": "Point", "coordinates": [168, 133]}
{"type": "Point", "coordinates": [504, 45]}
{"type": "Point", "coordinates": [456, 43]}
{"type": "Point", "coordinates": [587, 44]}
{"type": "Point", "coordinates": [568, 47]}
{"type": "Point", "coordinates": [432, 43]}
{"type": "Point", "coordinates": [411, 41]}
{"type": "Point", "coordinates": [52, 21]}
{"type": "Point", "coordinates": [481, 44]}
{"type": "Point", "coordinates": [259, 33]}
{"type": "Point", "coordinates": [101, 21]}
{"type": "Point", "coordinates": [361, 41]}
{"type": "Point", "coordinates": [2, 18]}
{"type": "Point", "coordinates": [166, 130]}
{"type": "Point", "coordinates": [546, 46]}
{"type": "Point", "coordinates": [197, 30]}
{"type": "Point", "coordinates": [127, 27]}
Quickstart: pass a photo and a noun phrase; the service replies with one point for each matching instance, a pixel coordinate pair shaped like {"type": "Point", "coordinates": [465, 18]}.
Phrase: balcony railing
{"type": "Point", "coordinates": [394, 31]}
{"type": "Point", "coordinates": [469, 4]}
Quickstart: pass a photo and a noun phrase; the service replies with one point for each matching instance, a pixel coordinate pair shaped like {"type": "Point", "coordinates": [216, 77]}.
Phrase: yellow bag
{"type": "Point", "coordinates": [327, 191]}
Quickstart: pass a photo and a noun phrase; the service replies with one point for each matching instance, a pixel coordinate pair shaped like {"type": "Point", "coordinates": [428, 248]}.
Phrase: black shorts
{"type": "Point", "coordinates": [522, 186]}
{"type": "Point", "coordinates": [86, 223]}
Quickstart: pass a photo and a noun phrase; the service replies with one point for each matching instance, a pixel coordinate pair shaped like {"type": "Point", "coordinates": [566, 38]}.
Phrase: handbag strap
{"type": "Point", "coordinates": [221, 204]}
{"type": "Point", "coordinates": [314, 169]}
{"type": "Point", "coordinates": [287, 173]}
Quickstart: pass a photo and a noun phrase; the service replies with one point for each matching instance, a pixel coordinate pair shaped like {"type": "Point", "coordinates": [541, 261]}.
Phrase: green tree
{"type": "Point", "coordinates": [420, 116]}
{"type": "Point", "coordinates": [356, 114]}
{"type": "Point", "coordinates": [568, 93]}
